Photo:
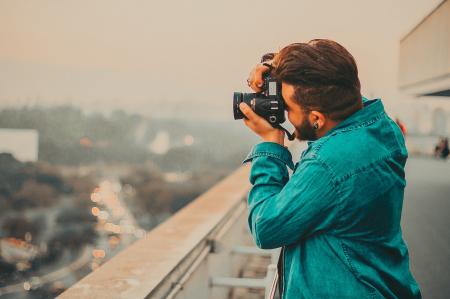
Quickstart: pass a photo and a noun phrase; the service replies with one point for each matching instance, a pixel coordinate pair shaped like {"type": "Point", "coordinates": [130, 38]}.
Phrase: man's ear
{"type": "Point", "coordinates": [317, 119]}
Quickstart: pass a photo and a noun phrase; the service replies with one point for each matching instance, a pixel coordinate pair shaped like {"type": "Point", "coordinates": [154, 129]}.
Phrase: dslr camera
{"type": "Point", "coordinates": [268, 103]}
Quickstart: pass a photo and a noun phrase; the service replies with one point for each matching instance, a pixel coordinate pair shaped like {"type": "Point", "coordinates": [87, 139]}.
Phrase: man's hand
{"type": "Point", "coordinates": [255, 79]}
{"type": "Point", "coordinates": [260, 126]}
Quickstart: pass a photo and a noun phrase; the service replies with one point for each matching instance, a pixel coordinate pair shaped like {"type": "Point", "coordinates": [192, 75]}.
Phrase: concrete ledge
{"type": "Point", "coordinates": [150, 266]}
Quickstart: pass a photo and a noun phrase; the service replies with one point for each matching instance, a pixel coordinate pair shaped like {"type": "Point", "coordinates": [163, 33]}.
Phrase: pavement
{"type": "Point", "coordinates": [426, 224]}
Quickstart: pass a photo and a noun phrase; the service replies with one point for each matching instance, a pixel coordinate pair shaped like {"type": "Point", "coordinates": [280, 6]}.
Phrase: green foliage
{"type": "Point", "coordinates": [26, 185]}
{"type": "Point", "coordinates": [62, 128]}
{"type": "Point", "coordinates": [17, 227]}
{"type": "Point", "coordinates": [28, 190]}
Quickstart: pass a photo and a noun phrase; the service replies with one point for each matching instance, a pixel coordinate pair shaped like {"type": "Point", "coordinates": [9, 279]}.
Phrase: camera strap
{"type": "Point", "coordinates": [288, 134]}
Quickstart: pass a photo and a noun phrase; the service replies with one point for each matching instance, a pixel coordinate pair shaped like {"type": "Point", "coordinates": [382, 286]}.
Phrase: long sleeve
{"type": "Point", "coordinates": [283, 210]}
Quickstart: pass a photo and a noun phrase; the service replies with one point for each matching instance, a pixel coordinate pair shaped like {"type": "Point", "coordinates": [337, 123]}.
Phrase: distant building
{"type": "Point", "coordinates": [23, 144]}
{"type": "Point", "coordinates": [424, 71]}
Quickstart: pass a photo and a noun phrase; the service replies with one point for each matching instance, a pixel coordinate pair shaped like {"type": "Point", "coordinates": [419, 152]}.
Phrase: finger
{"type": "Point", "coordinates": [248, 112]}
{"type": "Point", "coordinates": [247, 123]}
{"type": "Point", "coordinates": [251, 81]}
{"type": "Point", "coordinates": [251, 125]}
{"type": "Point", "coordinates": [256, 86]}
{"type": "Point", "coordinates": [256, 77]}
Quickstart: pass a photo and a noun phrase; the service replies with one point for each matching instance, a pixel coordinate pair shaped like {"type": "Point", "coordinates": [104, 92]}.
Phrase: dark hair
{"type": "Point", "coordinates": [324, 74]}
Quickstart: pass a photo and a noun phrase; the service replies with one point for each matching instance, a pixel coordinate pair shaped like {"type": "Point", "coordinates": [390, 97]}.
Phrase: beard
{"type": "Point", "coordinates": [305, 131]}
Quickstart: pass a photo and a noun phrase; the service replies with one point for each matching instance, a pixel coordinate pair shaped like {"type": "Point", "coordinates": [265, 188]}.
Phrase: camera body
{"type": "Point", "coordinates": [268, 103]}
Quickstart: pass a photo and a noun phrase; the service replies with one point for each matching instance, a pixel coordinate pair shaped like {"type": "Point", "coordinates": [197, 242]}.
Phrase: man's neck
{"type": "Point", "coordinates": [329, 125]}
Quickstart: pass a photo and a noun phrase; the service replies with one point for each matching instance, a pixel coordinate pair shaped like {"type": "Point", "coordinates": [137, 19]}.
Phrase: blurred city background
{"type": "Point", "coordinates": [114, 115]}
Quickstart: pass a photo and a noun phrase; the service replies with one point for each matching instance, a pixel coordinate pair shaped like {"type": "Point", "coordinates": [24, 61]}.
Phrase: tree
{"type": "Point", "coordinates": [17, 227]}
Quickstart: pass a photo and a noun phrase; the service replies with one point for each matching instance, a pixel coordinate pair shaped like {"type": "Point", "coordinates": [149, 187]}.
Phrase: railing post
{"type": "Point", "coordinates": [274, 255]}
{"type": "Point", "coordinates": [270, 280]}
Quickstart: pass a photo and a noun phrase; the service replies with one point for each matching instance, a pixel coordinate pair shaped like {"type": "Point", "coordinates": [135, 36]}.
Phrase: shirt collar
{"type": "Point", "coordinates": [371, 110]}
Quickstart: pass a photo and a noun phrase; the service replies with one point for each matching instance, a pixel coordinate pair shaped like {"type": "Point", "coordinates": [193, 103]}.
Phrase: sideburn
{"type": "Point", "coordinates": [306, 130]}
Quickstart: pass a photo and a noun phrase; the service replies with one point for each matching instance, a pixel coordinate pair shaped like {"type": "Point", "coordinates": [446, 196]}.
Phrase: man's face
{"type": "Point", "coordinates": [296, 115]}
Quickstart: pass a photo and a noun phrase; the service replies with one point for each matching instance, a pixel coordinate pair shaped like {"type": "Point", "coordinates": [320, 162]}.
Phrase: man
{"type": "Point", "coordinates": [338, 217]}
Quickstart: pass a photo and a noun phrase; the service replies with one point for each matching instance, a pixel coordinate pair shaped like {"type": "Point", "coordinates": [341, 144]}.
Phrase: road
{"type": "Point", "coordinates": [80, 262]}
{"type": "Point", "coordinates": [426, 224]}
{"type": "Point", "coordinates": [111, 200]}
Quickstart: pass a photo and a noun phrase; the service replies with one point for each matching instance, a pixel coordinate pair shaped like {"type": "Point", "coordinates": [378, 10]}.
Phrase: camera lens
{"type": "Point", "coordinates": [237, 99]}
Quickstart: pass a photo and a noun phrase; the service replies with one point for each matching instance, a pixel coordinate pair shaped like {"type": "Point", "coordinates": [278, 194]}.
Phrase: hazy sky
{"type": "Point", "coordinates": [161, 57]}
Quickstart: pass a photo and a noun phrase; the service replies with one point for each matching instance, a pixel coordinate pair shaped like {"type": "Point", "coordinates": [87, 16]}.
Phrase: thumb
{"type": "Point", "coordinates": [247, 111]}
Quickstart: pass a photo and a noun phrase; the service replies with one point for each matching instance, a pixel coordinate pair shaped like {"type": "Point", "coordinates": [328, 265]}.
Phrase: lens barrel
{"type": "Point", "coordinates": [237, 99]}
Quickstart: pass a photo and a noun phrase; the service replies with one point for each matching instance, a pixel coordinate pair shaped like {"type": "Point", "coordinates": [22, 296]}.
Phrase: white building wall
{"type": "Point", "coordinates": [425, 53]}
{"type": "Point", "coordinates": [431, 116]}
{"type": "Point", "coordinates": [23, 144]}
{"type": "Point", "coordinates": [424, 68]}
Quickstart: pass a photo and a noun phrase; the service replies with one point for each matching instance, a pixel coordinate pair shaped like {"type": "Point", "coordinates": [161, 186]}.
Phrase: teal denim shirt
{"type": "Point", "coordinates": [338, 216]}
